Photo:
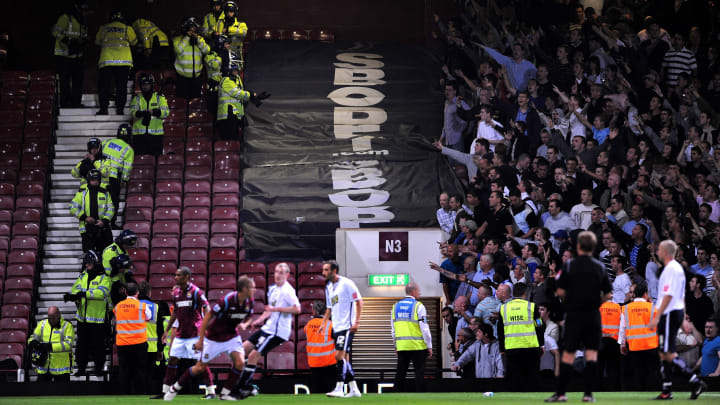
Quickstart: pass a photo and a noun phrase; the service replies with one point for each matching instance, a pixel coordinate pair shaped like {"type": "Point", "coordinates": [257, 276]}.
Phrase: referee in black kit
{"type": "Point", "coordinates": [583, 285]}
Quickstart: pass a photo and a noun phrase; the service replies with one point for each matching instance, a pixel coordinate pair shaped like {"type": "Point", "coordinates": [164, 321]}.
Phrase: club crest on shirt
{"type": "Point", "coordinates": [216, 308]}
{"type": "Point", "coordinates": [334, 299]}
{"type": "Point", "coordinates": [189, 295]}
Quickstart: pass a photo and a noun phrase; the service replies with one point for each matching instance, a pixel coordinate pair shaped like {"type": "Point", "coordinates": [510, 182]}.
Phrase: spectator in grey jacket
{"type": "Point", "coordinates": [485, 353]}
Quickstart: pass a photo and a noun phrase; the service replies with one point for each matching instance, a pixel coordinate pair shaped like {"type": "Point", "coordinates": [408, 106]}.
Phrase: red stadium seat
{"type": "Point", "coordinates": [10, 162]}
{"type": "Point", "coordinates": [196, 214]}
{"type": "Point", "coordinates": [176, 116]}
{"type": "Point", "coordinates": [173, 146]}
{"type": "Point", "coordinates": [15, 311]}
{"type": "Point", "coordinates": [225, 214]}
{"type": "Point", "coordinates": [13, 118]}
{"type": "Point", "coordinates": [140, 270]}
{"type": "Point", "coordinates": [138, 214]}
{"type": "Point", "coordinates": [144, 161]}
{"type": "Point", "coordinates": [322, 35]}
{"type": "Point", "coordinates": [216, 268]}
{"type": "Point", "coordinates": [163, 268]}
{"type": "Point", "coordinates": [161, 294]}
{"type": "Point", "coordinates": [227, 161]}
{"type": "Point", "coordinates": [302, 359]}
{"type": "Point", "coordinates": [12, 351]}
{"type": "Point", "coordinates": [306, 307]}
{"type": "Point", "coordinates": [7, 203]}
{"type": "Point", "coordinates": [19, 283]}
{"type": "Point", "coordinates": [309, 267]}
{"type": "Point", "coordinates": [200, 145]}
{"type": "Point", "coordinates": [7, 189]}
{"type": "Point", "coordinates": [141, 187]}
{"type": "Point", "coordinates": [6, 217]}
{"type": "Point", "coordinates": [194, 242]}
{"type": "Point", "coordinates": [14, 76]}
{"type": "Point", "coordinates": [162, 281]}
{"type": "Point", "coordinates": [226, 174]}
{"type": "Point", "coordinates": [142, 173]}
{"type": "Point", "coordinates": [200, 228]}
{"type": "Point", "coordinates": [225, 200]}
{"type": "Point", "coordinates": [198, 187]}
{"type": "Point", "coordinates": [140, 201]}
{"type": "Point", "coordinates": [38, 132]}
{"type": "Point", "coordinates": [199, 280]}
{"type": "Point", "coordinates": [5, 230]}
{"type": "Point", "coordinates": [197, 104]}
{"type": "Point", "coordinates": [167, 161]}
{"type": "Point", "coordinates": [142, 243]}
{"type": "Point", "coordinates": [223, 242]}
{"type": "Point", "coordinates": [193, 254]}
{"type": "Point", "coordinates": [29, 189]}
{"type": "Point", "coordinates": [224, 227]}
{"type": "Point", "coordinates": [199, 159]}
{"type": "Point", "coordinates": [259, 307]}
{"type": "Point", "coordinates": [140, 228]}
{"type": "Point", "coordinates": [223, 254]}
{"type": "Point", "coordinates": [199, 130]}
{"type": "Point", "coordinates": [40, 103]}
{"type": "Point", "coordinates": [241, 244]}
{"type": "Point", "coordinates": [168, 187]}
{"type": "Point", "coordinates": [227, 147]}
{"type": "Point", "coordinates": [9, 176]}
{"type": "Point", "coordinates": [167, 214]}
{"type": "Point", "coordinates": [139, 255]}
{"type": "Point", "coordinates": [169, 200]}
{"type": "Point", "coordinates": [259, 295]}
{"type": "Point", "coordinates": [166, 228]}
{"type": "Point", "coordinates": [29, 202]}
{"type": "Point", "coordinates": [197, 200]}
{"type": "Point", "coordinates": [308, 280]}
{"type": "Point", "coordinates": [251, 268]}
{"type": "Point", "coordinates": [24, 243]}
{"type": "Point", "coordinates": [174, 130]}
{"type": "Point", "coordinates": [296, 35]}
{"type": "Point", "coordinates": [7, 323]}
{"type": "Point", "coordinates": [21, 270]}
{"type": "Point", "coordinates": [165, 242]}
{"type": "Point", "coordinates": [228, 187]}
{"type": "Point", "coordinates": [22, 256]}
{"type": "Point", "coordinates": [12, 104]}
{"type": "Point", "coordinates": [222, 281]}
{"type": "Point", "coordinates": [260, 280]}
{"type": "Point", "coordinates": [9, 132]}
{"type": "Point", "coordinates": [164, 254]}
{"type": "Point", "coordinates": [17, 297]}
{"type": "Point", "coordinates": [169, 173]}
{"type": "Point", "coordinates": [198, 173]}
{"type": "Point", "coordinates": [197, 267]}
{"type": "Point", "coordinates": [302, 320]}
{"type": "Point", "coordinates": [217, 294]}
{"type": "Point", "coordinates": [26, 229]}
{"type": "Point", "coordinates": [200, 117]}
{"type": "Point", "coordinates": [36, 146]}
{"type": "Point", "coordinates": [311, 293]}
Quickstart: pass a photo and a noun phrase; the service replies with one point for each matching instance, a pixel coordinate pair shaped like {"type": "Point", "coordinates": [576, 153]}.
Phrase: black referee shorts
{"type": "Point", "coordinates": [667, 330]}
{"type": "Point", "coordinates": [582, 330]}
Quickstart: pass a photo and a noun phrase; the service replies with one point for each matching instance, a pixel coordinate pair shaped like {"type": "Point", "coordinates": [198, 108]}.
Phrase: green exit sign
{"type": "Point", "coordinates": [380, 280]}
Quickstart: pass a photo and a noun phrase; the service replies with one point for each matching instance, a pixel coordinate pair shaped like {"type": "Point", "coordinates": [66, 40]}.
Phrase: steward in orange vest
{"type": "Point", "coordinates": [320, 350]}
{"type": "Point", "coordinates": [131, 340]}
{"type": "Point", "coordinates": [641, 341]}
{"type": "Point", "coordinates": [609, 354]}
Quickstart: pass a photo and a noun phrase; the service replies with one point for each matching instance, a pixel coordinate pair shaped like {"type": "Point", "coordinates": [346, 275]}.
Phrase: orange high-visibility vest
{"type": "Point", "coordinates": [130, 322]}
{"type": "Point", "coordinates": [637, 318]}
{"type": "Point", "coordinates": [320, 347]}
{"type": "Point", "coordinates": [610, 316]}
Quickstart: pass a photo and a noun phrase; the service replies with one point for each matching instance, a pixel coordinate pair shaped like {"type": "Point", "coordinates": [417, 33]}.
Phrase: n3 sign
{"type": "Point", "coordinates": [379, 280]}
{"type": "Point", "coordinates": [393, 246]}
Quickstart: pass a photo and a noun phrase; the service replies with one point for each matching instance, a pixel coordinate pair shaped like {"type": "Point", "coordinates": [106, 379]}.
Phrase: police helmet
{"type": "Point", "coordinates": [38, 353]}
{"type": "Point", "coordinates": [230, 6]}
{"type": "Point", "coordinates": [214, 3]}
{"type": "Point", "coordinates": [120, 262]}
{"type": "Point", "coordinates": [146, 78]}
{"type": "Point", "coordinates": [127, 238]}
{"type": "Point", "coordinates": [117, 15]}
{"type": "Point", "coordinates": [124, 132]}
{"type": "Point", "coordinates": [188, 24]}
{"type": "Point", "coordinates": [93, 174]}
{"type": "Point", "coordinates": [94, 143]}
{"type": "Point", "coordinates": [91, 257]}
{"type": "Point", "coordinates": [220, 42]}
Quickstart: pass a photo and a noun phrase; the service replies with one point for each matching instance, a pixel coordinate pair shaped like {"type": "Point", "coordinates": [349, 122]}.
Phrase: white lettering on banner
{"type": "Point", "coordinates": [356, 77]}
{"type": "Point", "coordinates": [355, 119]}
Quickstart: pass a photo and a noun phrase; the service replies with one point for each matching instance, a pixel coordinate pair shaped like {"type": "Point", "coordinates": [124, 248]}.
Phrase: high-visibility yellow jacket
{"type": "Point", "coordinates": [69, 27]}
{"type": "Point", "coordinates": [231, 93]}
{"type": "Point", "coordinates": [96, 164]}
{"type": "Point", "coordinates": [111, 252]}
{"type": "Point", "coordinates": [80, 206]}
{"type": "Point", "coordinates": [139, 103]}
{"type": "Point", "coordinates": [61, 340]}
{"type": "Point", "coordinates": [92, 307]}
{"type": "Point", "coordinates": [208, 26]}
{"type": "Point", "coordinates": [189, 58]}
{"type": "Point", "coordinates": [213, 63]}
{"type": "Point", "coordinates": [518, 324]}
{"type": "Point", "coordinates": [152, 335]}
{"type": "Point", "coordinates": [119, 158]}
{"type": "Point", "coordinates": [146, 31]}
{"type": "Point", "coordinates": [237, 29]}
{"type": "Point", "coordinates": [115, 39]}
{"type": "Point", "coordinates": [408, 335]}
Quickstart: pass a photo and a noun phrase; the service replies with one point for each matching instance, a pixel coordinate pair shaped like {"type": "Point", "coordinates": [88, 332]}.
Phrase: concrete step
{"type": "Point", "coordinates": [67, 184]}
{"type": "Point", "coordinates": [61, 282]}
{"type": "Point", "coordinates": [61, 276]}
{"type": "Point", "coordinates": [55, 267]}
{"type": "Point", "coordinates": [78, 147]}
{"type": "Point", "coordinates": [63, 239]}
{"type": "Point", "coordinates": [62, 220]}
{"type": "Point", "coordinates": [66, 136]}
{"type": "Point", "coordinates": [77, 154]}
{"type": "Point", "coordinates": [80, 126]}
{"type": "Point", "coordinates": [61, 227]}
{"type": "Point", "coordinates": [92, 118]}
{"type": "Point", "coordinates": [88, 112]}
{"type": "Point", "coordinates": [75, 261]}
{"type": "Point", "coordinates": [55, 177]}
{"type": "Point", "coordinates": [60, 206]}
{"type": "Point", "coordinates": [50, 252]}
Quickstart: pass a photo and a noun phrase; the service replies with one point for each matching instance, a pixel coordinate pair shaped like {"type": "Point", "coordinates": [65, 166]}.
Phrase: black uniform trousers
{"type": "Point", "coordinates": [90, 345]}
{"type": "Point", "coordinates": [117, 76]}
{"type": "Point", "coordinates": [322, 379]}
{"type": "Point", "coordinates": [114, 186]}
{"type": "Point", "coordinates": [96, 238]}
{"type": "Point", "coordinates": [72, 76]}
{"type": "Point", "coordinates": [132, 360]}
{"type": "Point", "coordinates": [609, 364]}
{"type": "Point", "coordinates": [418, 358]}
{"type": "Point", "coordinates": [188, 88]}
{"type": "Point", "coordinates": [646, 369]}
{"type": "Point", "coordinates": [47, 377]}
{"type": "Point", "coordinates": [522, 368]}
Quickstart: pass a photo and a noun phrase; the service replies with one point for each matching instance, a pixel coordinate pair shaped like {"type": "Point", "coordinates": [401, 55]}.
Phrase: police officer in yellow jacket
{"type": "Point", "coordinates": [148, 109]}
{"type": "Point", "coordinates": [214, 62]}
{"type": "Point", "coordinates": [228, 24]}
{"type": "Point", "coordinates": [94, 208]}
{"type": "Point", "coordinates": [210, 20]}
{"type": "Point", "coordinates": [55, 336]}
{"type": "Point", "coordinates": [413, 341]}
{"type": "Point", "coordinates": [189, 48]}
{"type": "Point", "coordinates": [231, 101]}
{"type": "Point", "coordinates": [71, 36]}
{"type": "Point", "coordinates": [119, 157]}
{"type": "Point", "coordinates": [520, 332]}
{"type": "Point", "coordinates": [94, 159]}
{"type": "Point", "coordinates": [153, 45]}
{"type": "Point", "coordinates": [115, 40]}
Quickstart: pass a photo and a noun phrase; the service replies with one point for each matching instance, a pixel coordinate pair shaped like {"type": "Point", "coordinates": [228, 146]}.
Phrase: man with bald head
{"type": "Point", "coordinates": [411, 333]}
{"type": "Point", "coordinates": [55, 336]}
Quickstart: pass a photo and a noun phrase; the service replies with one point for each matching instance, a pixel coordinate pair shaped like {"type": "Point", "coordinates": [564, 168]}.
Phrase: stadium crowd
{"type": "Point", "coordinates": [561, 117]}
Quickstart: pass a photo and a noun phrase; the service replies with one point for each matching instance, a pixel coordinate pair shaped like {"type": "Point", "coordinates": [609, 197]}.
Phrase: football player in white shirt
{"type": "Point", "coordinates": [345, 304]}
{"type": "Point", "coordinates": [671, 298]}
{"type": "Point", "coordinates": [282, 304]}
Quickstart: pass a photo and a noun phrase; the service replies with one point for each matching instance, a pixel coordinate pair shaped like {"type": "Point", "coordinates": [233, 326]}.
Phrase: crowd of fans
{"type": "Point", "coordinates": [564, 116]}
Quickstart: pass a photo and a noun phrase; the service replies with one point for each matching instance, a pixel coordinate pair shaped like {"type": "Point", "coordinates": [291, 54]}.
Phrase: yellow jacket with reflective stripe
{"type": "Point", "coordinates": [213, 63]}
{"type": "Point", "coordinates": [518, 324]}
{"type": "Point", "coordinates": [61, 340]}
{"type": "Point", "coordinates": [639, 336]}
{"type": "Point", "coordinates": [108, 254]}
{"type": "Point", "coordinates": [189, 58]}
{"type": "Point", "coordinates": [96, 164]}
{"type": "Point", "coordinates": [68, 27]}
{"type": "Point", "coordinates": [408, 335]}
{"type": "Point", "coordinates": [152, 335]}
{"type": "Point", "coordinates": [231, 93]}
{"type": "Point", "coordinates": [119, 158]}
{"type": "Point", "coordinates": [239, 29]}
{"type": "Point", "coordinates": [208, 26]}
{"type": "Point", "coordinates": [92, 307]}
{"type": "Point", "coordinates": [146, 31]}
{"type": "Point", "coordinates": [139, 103]}
{"type": "Point", "coordinates": [80, 206]}
{"type": "Point", "coordinates": [115, 39]}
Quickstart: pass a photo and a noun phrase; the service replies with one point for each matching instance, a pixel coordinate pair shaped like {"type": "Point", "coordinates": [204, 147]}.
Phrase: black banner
{"type": "Point", "coordinates": [343, 142]}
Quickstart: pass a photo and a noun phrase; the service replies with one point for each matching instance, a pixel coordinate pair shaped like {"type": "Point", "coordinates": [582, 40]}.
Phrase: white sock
{"type": "Point", "coordinates": [166, 388]}
{"type": "Point", "coordinates": [176, 387]}
{"type": "Point", "coordinates": [338, 386]}
{"type": "Point", "coordinates": [210, 389]}
{"type": "Point", "coordinates": [225, 391]}
{"type": "Point", "coordinates": [353, 386]}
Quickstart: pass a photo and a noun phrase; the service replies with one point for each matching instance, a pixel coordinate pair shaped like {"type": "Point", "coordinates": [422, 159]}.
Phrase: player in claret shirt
{"type": "Point", "coordinates": [190, 303]}
{"type": "Point", "coordinates": [218, 334]}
